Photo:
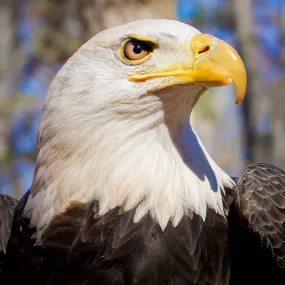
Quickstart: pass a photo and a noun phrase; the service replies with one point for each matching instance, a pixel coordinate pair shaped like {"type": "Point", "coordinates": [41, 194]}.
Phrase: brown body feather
{"type": "Point", "coordinates": [81, 247]}
{"type": "Point", "coordinates": [257, 227]}
{"type": "Point", "coordinates": [7, 207]}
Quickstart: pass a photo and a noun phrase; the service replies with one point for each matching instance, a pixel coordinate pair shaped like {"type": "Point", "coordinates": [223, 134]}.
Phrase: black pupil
{"type": "Point", "coordinates": [140, 46]}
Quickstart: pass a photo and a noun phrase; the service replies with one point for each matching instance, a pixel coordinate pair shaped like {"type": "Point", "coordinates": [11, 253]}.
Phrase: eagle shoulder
{"type": "Point", "coordinates": [7, 208]}
{"type": "Point", "coordinates": [257, 225]}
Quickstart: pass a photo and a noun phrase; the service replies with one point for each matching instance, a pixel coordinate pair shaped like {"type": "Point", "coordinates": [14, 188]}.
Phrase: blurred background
{"type": "Point", "coordinates": [38, 36]}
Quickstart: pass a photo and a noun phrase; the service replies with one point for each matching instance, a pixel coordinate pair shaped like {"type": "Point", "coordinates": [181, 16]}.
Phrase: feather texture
{"type": "Point", "coordinates": [257, 226]}
{"type": "Point", "coordinates": [81, 247]}
{"type": "Point", "coordinates": [7, 207]}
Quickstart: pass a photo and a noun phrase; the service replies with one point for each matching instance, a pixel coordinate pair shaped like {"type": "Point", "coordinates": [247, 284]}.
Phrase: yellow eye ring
{"type": "Point", "coordinates": [136, 51]}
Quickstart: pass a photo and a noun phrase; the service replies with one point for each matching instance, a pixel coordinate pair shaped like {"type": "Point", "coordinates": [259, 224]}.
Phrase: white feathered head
{"type": "Point", "coordinates": [115, 124]}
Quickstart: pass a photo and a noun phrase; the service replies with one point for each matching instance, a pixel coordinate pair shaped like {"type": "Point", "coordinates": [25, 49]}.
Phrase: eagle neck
{"type": "Point", "coordinates": [156, 165]}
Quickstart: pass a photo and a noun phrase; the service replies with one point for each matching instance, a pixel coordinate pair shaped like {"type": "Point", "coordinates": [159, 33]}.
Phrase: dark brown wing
{"type": "Point", "coordinates": [257, 225]}
{"type": "Point", "coordinates": [81, 247]}
{"type": "Point", "coordinates": [21, 259]}
{"type": "Point", "coordinates": [112, 249]}
{"type": "Point", "coordinates": [7, 207]}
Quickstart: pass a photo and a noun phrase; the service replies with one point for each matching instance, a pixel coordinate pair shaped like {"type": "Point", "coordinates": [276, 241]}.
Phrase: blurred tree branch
{"type": "Point", "coordinates": [282, 26]}
{"type": "Point", "coordinates": [243, 17]}
{"type": "Point", "coordinates": [257, 101]}
{"type": "Point", "coordinates": [97, 15]}
{"type": "Point", "coordinates": [279, 114]}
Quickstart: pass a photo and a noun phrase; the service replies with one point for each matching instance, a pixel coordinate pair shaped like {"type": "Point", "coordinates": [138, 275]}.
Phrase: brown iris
{"type": "Point", "coordinates": [136, 50]}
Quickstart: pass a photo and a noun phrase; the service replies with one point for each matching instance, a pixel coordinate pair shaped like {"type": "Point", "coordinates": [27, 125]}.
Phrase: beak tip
{"type": "Point", "coordinates": [240, 98]}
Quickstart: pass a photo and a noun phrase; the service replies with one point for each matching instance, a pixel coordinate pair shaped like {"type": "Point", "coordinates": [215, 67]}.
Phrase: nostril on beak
{"type": "Point", "coordinates": [204, 49]}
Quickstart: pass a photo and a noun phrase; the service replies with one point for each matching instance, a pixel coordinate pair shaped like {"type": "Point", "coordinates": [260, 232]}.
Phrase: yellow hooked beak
{"type": "Point", "coordinates": [215, 63]}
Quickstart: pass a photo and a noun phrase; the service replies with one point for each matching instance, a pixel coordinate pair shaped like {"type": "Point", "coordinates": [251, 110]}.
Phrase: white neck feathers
{"type": "Point", "coordinates": [128, 156]}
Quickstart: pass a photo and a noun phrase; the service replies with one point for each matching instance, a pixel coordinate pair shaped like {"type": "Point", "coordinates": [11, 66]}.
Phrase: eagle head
{"type": "Point", "coordinates": [115, 124]}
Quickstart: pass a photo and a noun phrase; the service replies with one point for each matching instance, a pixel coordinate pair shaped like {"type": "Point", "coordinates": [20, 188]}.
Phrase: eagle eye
{"type": "Point", "coordinates": [136, 50]}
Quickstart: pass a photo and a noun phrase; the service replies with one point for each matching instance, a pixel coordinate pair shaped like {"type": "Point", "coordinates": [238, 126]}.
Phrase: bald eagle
{"type": "Point", "coordinates": [124, 192]}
